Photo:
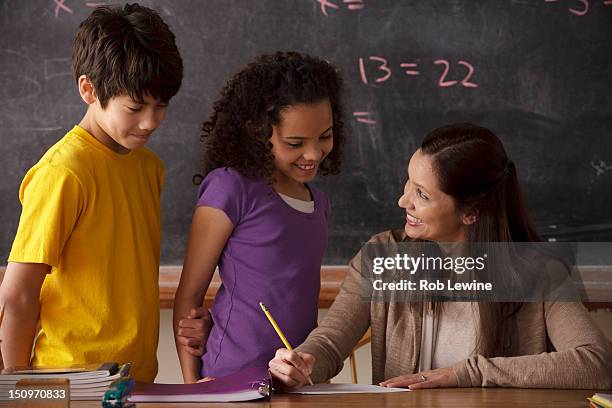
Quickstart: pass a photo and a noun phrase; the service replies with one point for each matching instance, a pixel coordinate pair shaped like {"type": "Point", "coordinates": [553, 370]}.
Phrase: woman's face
{"type": "Point", "coordinates": [430, 213]}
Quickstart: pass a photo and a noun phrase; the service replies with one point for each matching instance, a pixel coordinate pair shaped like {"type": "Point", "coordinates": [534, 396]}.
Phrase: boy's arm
{"type": "Point", "coordinates": [20, 295]}
{"type": "Point", "coordinates": [210, 230]}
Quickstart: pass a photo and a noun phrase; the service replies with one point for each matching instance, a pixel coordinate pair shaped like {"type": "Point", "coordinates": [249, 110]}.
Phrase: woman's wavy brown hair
{"type": "Point", "coordinates": [237, 132]}
{"type": "Point", "coordinates": [475, 170]}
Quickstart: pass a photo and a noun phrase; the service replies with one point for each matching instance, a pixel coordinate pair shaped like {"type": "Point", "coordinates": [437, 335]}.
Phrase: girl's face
{"type": "Point", "coordinates": [301, 141]}
{"type": "Point", "coordinates": [430, 213]}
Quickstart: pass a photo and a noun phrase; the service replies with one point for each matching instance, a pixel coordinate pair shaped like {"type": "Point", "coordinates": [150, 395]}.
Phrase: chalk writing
{"type": "Point", "coordinates": [442, 82]}
{"type": "Point", "coordinates": [351, 5]}
{"type": "Point", "coordinates": [580, 7]}
{"type": "Point", "coordinates": [363, 117]}
{"type": "Point", "coordinates": [324, 4]}
{"type": "Point", "coordinates": [410, 65]}
{"type": "Point", "coordinates": [583, 11]}
{"type": "Point", "coordinates": [382, 66]}
{"type": "Point", "coordinates": [601, 167]}
{"type": "Point", "coordinates": [59, 5]}
{"type": "Point", "coordinates": [383, 71]}
{"type": "Point", "coordinates": [466, 81]}
{"type": "Point", "coordinates": [354, 4]}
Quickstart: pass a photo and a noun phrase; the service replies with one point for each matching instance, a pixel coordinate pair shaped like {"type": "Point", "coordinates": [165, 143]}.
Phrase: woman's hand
{"type": "Point", "coordinates": [292, 369]}
{"type": "Point", "coordinates": [193, 331]}
{"type": "Point", "coordinates": [438, 378]}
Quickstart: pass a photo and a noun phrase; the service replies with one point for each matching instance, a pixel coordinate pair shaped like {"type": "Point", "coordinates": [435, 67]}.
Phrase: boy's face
{"type": "Point", "coordinates": [125, 124]}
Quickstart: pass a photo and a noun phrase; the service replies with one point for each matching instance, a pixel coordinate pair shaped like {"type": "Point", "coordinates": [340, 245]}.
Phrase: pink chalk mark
{"type": "Point", "coordinates": [324, 4]}
{"type": "Point", "coordinates": [441, 82]}
{"type": "Point", "coordinates": [94, 4]}
{"type": "Point", "coordinates": [466, 81]}
{"type": "Point", "coordinates": [368, 121]}
{"type": "Point", "coordinates": [550, 1]}
{"type": "Point", "coordinates": [364, 120]}
{"type": "Point", "coordinates": [59, 4]}
{"type": "Point", "coordinates": [410, 71]}
{"type": "Point", "coordinates": [354, 4]}
{"type": "Point", "coordinates": [583, 11]}
{"type": "Point", "coordinates": [607, 2]}
{"type": "Point", "coordinates": [382, 67]}
{"type": "Point", "coordinates": [362, 72]}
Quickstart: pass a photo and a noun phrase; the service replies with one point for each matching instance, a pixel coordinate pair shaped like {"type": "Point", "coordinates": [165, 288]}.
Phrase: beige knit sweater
{"type": "Point", "coordinates": [556, 345]}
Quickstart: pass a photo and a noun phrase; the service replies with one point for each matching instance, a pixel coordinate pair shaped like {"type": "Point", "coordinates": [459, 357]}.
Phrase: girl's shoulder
{"type": "Point", "coordinates": [224, 173]}
{"type": "Point", "coordinates": [228, 177]}
{"type": "Point", "coordinates": [229, 182]}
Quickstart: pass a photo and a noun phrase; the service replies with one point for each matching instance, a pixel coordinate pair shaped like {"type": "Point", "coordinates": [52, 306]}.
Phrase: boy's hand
{"type": "Point", "coordinates": [193, 331]}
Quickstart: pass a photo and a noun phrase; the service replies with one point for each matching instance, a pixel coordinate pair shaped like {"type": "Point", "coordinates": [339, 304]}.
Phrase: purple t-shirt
{"type": "Point", "coordinates": [273, 256]}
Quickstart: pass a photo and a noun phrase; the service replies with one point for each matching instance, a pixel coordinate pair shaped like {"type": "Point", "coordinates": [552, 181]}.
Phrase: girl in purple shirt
{"type": "Point", "coordinates": [276, 124]}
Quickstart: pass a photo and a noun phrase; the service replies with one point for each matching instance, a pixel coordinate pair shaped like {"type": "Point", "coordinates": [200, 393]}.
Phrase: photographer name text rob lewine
{"type": "Point", "coordinates": [426, 285]}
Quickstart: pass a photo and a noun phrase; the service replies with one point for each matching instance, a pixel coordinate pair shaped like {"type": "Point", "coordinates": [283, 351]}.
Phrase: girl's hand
{"type": "Point", "coordinates": [292, 369]}
{"type": "Point", "coordinates": [438, 378]}
{"type": "Point", "coordinates": [193, 331]}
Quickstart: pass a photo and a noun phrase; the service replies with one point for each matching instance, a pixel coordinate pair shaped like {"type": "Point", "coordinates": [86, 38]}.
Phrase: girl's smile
{"type": "Point", "coordinates": [301, 141]}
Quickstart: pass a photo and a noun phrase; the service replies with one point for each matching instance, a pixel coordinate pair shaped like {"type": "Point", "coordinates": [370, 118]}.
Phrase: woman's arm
{"type": "Point", "coordinates": [583, 357]}
{"type": "Point", "coordinates": [210, 230]}
{"type": "Point", "coordinates": [344, 324]}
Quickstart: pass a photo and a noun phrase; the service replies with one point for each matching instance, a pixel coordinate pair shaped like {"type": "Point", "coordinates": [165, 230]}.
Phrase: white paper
{"type": "Point", "coordinates": [326, 389]}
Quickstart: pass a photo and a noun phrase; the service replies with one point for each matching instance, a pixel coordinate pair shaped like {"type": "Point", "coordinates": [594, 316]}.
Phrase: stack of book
{"type": "Point", "coordinates": [86, 382]}
{"type": "Point", "coordinates": [601, 400]}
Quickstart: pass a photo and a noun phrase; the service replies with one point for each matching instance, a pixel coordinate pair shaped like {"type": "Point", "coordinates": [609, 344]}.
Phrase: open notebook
{"type": "Point", "coordinates": [245, 385]}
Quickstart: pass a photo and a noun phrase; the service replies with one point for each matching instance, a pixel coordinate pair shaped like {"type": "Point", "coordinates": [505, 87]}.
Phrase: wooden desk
{"type": "Point", "coordinates": [456, 398]}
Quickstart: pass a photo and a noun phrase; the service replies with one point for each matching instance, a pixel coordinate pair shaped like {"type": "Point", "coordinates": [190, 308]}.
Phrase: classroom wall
{"type": "Point", "coordinates": [170, 371]}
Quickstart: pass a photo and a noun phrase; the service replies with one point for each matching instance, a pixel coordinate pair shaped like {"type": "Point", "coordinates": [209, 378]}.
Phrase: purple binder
{"type": "Point", "coordinates": [245, 385]}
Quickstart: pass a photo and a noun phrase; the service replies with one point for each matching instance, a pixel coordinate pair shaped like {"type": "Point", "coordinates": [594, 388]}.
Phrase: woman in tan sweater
{"type": "Point", "coordinates": [461, 187]}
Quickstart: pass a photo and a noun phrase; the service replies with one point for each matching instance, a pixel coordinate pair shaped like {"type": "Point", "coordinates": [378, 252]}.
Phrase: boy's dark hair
{"type": "Point", "coordinates": [237, 133]}
{"type": "Point", "coordinates": [127, 51]}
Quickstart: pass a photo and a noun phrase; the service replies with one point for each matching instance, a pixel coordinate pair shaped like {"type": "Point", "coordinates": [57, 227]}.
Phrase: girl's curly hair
{"type": "Point", "coordinates": [237, 133]}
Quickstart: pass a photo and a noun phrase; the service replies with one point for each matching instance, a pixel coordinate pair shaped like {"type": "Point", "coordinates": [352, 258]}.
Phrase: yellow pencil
{"type": "Point", "coordinates": [280, 333]}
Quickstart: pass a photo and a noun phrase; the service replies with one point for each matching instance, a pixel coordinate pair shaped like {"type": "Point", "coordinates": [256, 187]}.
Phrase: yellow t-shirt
{"type": "Point", "coordinates": [94, 216]}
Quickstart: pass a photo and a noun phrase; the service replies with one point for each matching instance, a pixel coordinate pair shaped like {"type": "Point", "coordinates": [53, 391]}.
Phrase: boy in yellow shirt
{"type": "Point", "coordinates": [85, 259]}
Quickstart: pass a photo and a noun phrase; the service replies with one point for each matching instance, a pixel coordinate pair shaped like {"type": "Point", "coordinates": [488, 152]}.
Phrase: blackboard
{"type": "Point", "coordinates": [537, 72]}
